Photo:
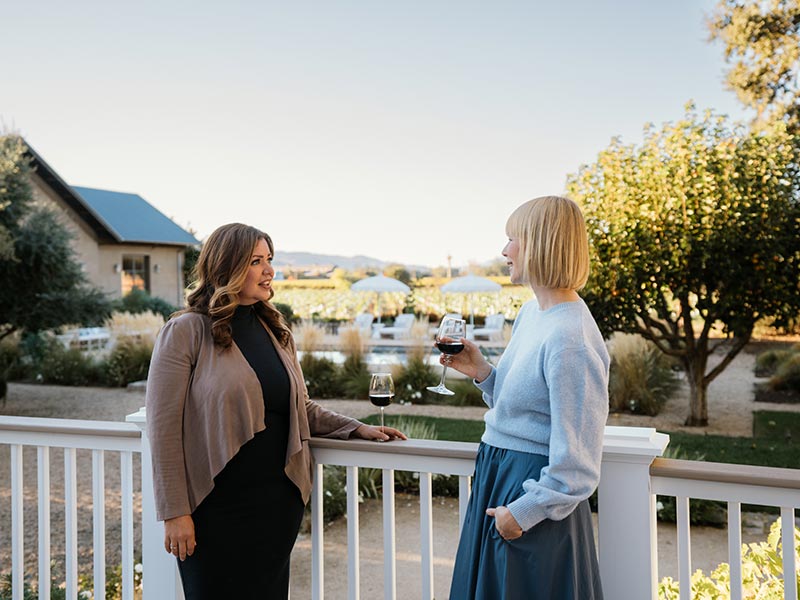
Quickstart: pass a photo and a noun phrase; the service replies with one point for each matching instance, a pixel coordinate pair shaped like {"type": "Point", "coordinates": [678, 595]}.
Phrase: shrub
{"type": "Point", "coordinates": [641, 378]}
{"type": "Point", "coordinates": [787, 375]}
{"type": "Point", "coordinates": [321, 376]}
{"type": "Point", "coordinates": [129, 361]}
{"type": "Point", "coordinates": [139, 301]}
{"type": "Point", "coordinates": [142, 326]}
{"type": "Point", "coordinates": [354, 379]}
{"type": "Point", "coordinates": [60, 366]}
{"type": "Point", "coordinates": [308, 336]}
{"type": "Point", "coordinates": [354, 375]}
{"type": "Point", "coordinates": [10, 362]}
{"type": "Point", "coordinates": [466, 394]}
{"type": "Point", "coordinates": [410, 380]}
{"type": "Point", "coordinates": [762, 573]}
{"type": "Point", "coordinates": [286, 311]}
{"type": "Point", "coordinates": [768, 361]}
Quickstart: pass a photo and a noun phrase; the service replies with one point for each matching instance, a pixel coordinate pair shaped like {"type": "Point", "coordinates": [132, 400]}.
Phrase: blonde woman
{"type": "Point", "coordinates": [528, 530]}
{"type": "Point", "coordinates": [229, 420]}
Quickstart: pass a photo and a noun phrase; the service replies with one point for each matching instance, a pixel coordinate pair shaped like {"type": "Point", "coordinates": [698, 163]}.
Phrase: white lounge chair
{"type": "Point", "coordinates": [492, 329]}
{"type": "Point", "coordinates": [401, 328]}
{"type": "Point", "coordinates": [363, 323]}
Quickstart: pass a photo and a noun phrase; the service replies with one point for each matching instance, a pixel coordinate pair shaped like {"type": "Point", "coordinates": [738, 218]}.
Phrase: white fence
{"type": "Point", "coordinates": [631, 478]}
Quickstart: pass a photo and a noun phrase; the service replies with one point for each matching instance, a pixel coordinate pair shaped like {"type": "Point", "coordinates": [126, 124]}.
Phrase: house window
{"type": "Point", "coordinates": [135, 273]}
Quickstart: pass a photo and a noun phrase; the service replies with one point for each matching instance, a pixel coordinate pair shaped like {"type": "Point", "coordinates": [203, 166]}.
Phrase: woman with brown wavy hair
{"type": "Point", "coordinates": [229, 419]}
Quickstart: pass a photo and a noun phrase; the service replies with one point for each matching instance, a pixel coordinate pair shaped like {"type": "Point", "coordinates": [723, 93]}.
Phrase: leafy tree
{"type": "Point", "coordinates": [15, 191]}
{"type": "Point", "coordinates": [43, 285]}
{"type": "Point", "coordinates": [190, 256]}
{"type": "Point", "coordinates": [698, 226]}
{"type": "Point", "coordinates": [762, 43]}
{"type": "Point", "coordinates": [398, 272]}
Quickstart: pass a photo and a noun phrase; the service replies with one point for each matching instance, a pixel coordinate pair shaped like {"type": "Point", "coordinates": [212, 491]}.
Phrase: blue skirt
{"type": "Point", "coordinates": [552, 560]}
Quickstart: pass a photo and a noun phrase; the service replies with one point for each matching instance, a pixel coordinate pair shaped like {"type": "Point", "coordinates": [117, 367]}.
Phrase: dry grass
{"type": "Point", "coordinates": [142, 327]}
{"type": "Point", "coordinates": [420, 331]}
{"type": "Point", "coordinates": [308, 335]}
{"type": "Point", "coordinates": [352, 341]}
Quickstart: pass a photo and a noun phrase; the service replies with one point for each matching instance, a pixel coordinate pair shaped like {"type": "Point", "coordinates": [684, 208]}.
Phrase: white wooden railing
{"type": "Point", "coordinates": [734, 484]}
{"type": "Point", "coordinates": [631, 477]}
{"type": "Point", "coordinates": [71, 435]}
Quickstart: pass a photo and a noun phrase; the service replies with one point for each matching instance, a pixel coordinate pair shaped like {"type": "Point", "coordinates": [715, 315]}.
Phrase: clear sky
{"type": "Point", "coordinates": [406, 131]}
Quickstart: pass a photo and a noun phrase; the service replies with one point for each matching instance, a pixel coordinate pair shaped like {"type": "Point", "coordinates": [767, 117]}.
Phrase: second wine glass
{"type": "Point", "coordinates": [381, 392]}
{"type": "Point", "coordinates": [448, 340]}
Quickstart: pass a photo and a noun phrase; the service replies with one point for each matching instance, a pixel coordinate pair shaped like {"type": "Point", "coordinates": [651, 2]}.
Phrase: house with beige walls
{"type": "Point", "coordinates": [121, 241]}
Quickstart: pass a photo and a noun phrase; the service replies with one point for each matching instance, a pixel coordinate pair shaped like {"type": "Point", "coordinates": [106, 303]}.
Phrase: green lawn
{"type": "Point", "coordinates": [776, 425]}
{"type": "Point", "coordinates": [456, 430]}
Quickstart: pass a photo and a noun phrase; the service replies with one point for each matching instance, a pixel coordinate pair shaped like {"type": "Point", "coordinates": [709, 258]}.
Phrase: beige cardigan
{"type": "Point", "coordinates": [203, 403]}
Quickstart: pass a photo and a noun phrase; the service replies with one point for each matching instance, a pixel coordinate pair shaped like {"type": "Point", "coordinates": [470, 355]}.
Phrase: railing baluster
{"type": "Point", "coordinates": [426, 534]}
{"type": "Point", "coordinates": [788, 545]}
{"type": "Point", "coordinates": [735, 548]}
{"type": "Point", "coordinates": [43, 473]}
{"type": "Point", "coordinates": [317, 536]}
{"type": "Point", "coordinates": [389, 558]}
{"type": "Point", "coordinates": [464, 485]}
{"type": "Point", "coordinates": [684, 547]}
{"type": "Point", "coordinates": [353, 584]}
{"type": "Point", "coordinates": [17, 525]}
{"type": "Point", "coordinates": [126, 478]}
{"type": "Point", "coordinates": [71, 522]}
{"type": "Point", "coordinates": [99, 523]}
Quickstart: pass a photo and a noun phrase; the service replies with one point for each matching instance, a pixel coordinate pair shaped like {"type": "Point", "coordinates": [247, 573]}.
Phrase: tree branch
{"type": "Point", "coordinates": [738, 344]}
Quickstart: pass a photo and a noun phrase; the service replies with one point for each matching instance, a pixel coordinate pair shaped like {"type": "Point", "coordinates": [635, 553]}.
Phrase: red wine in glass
{"type": "Point", "coordinates": [382, 400]}
{"type": "Point", "coordinates": [381, 391]}
{"type": "Point", "coordinates": [448, 340]}
{"type": "Point", "coordinates": [450, 347]}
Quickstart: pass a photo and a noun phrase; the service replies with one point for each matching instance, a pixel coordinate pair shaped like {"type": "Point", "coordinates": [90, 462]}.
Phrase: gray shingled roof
{"type": "Point", "coordinates": [132, 219]}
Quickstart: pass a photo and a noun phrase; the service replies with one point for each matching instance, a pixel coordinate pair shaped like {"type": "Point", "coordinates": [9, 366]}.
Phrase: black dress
{"type": "Point", "coordinates": [246, 527]}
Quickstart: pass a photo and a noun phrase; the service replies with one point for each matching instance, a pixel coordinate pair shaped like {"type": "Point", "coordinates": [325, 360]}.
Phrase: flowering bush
{"type": "Point", "coordinates": [762, 573]}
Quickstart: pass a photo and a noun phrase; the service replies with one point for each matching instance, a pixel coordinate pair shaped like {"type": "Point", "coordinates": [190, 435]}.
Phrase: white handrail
{"type": "Point", "coordinates": [734, 484]}
{"type": "Point", "coordinates": [631, 477]}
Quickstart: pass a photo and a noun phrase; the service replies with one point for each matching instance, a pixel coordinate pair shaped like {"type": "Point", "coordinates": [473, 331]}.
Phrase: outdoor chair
{"type": "Point", "coordinates": [363, 323]}
{"type": "Point", "coordinates": [401, 328]}
{"type": "Point", "coordinates": [492, 329]}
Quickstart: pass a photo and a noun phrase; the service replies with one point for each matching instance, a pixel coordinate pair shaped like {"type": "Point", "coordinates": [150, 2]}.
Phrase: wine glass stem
{"type": "Point", "coordinates": [381, 419]}
{"type": "Point", "coordinates": [444, 370]}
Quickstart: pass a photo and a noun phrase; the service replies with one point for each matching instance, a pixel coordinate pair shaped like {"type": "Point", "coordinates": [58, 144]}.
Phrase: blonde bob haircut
{"type": "Point", "coordinates": [553, 245]}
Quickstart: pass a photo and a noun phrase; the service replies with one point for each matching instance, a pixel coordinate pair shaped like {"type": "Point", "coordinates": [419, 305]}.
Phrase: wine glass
{"type": "Point", "coordinates": [448, 340]}
{"type": "Point", "coordinates": [381, 391]}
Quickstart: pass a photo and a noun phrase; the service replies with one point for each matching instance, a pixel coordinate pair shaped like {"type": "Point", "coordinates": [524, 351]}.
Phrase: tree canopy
{"type": "Point", "coordinates": [762, 44]}
{"type": "Point", "coordinates": [43, 285]}
{"type": "Point", "coordinates": [696, 227]}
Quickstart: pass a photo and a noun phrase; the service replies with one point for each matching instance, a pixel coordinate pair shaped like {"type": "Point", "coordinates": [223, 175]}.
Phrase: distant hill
{"type": "Point", "coordinates": [308, 259]}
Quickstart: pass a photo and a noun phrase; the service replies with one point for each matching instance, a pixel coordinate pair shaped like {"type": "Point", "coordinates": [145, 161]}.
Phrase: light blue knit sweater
{"type": "Point", "coordinates": [549, 395]}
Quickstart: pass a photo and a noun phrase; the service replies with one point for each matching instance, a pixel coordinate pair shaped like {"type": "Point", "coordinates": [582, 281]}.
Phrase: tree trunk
{"type": "Point", "coordinates": [698, 388]}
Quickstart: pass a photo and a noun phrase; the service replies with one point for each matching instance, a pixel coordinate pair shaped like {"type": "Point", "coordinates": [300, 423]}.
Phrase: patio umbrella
{"type": "Point", "coordinates": [380, 284]}
{"type": "Point", "coordinates": [470, 284]}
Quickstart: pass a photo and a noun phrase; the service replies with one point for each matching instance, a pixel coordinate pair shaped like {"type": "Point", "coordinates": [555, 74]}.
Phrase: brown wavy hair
{"type": "Point", "coordinates": [219, 275]}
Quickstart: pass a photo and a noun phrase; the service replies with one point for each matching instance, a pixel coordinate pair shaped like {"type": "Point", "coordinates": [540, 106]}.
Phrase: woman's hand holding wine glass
{"type": "Point", "coordinates": [450, 341]}
{"type": "Point", "coordinates": [469, 361]}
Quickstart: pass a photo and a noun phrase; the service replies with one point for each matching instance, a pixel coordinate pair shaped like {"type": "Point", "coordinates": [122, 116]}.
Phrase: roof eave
{"type": "Point", "coordinates": [104, 232]}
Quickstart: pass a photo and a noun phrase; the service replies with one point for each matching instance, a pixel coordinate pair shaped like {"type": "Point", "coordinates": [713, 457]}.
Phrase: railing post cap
{"type": "Point", "coordinates": [139, 417]}
{"type": "Point", "coordinates": [634, 441]}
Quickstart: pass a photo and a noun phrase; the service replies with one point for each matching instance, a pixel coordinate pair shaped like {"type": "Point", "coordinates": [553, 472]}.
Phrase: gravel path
{"type": "Point", "coordinates": [730, 411]}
